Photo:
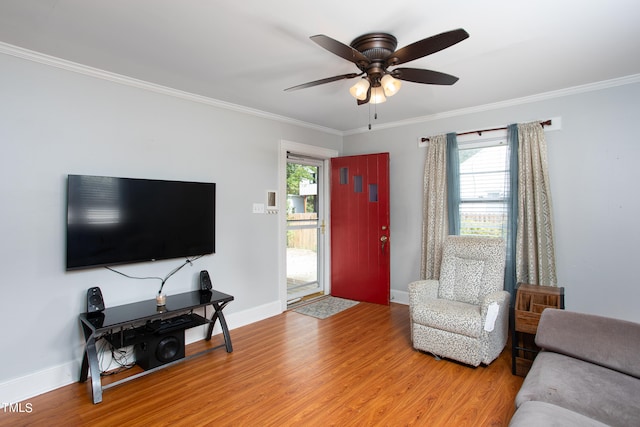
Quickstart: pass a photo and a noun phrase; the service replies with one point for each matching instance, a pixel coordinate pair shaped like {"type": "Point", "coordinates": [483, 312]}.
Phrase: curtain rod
{"type": "Point", "coordinates": [479, 132]}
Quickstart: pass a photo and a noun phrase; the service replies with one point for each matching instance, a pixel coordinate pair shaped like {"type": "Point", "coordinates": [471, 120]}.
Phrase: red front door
{"type": "Point", "coordinates": [360, 228]}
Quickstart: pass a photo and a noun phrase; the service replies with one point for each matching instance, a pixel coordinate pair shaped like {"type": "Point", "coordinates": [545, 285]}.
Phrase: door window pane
{"type": "Point", "coordinates": [303, 231]}
{"type": "Point", "coordinates": [357, 183]}
{"type": "Point", "coordinates": [373, 192]}
{"type": "Point", "coordinates": [344, 176]}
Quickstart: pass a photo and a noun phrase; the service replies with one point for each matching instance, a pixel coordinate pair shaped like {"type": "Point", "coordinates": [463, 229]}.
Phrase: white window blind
{"type": "Point", "coordinates": [484, 188]}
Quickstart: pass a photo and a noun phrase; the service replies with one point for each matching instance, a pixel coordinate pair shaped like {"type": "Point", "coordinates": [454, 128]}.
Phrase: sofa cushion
{"type": "Point", "coordinates": [612, 343]}
{"type": "Point", "coordinates": [594, 391]}
{"type": "Point", "coordinates": [451, 316]}
{"type": "Point", "coordinates": [471, 267]}
{"type": "Point", "coordinates": [537, 414]}
{"type": "Point", "coordinates": [467, 283]}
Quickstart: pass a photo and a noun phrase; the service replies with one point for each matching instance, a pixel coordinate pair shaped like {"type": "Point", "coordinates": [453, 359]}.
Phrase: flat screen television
{"type": "Point", "coordinates": [124, 220]}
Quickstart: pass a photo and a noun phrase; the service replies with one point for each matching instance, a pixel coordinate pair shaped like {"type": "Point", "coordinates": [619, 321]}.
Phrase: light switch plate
{"type": "Point", "coordinates": [258, 208]}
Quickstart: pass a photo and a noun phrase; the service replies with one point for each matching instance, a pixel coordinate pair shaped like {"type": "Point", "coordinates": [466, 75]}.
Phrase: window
{"type": "Point", "coordinates": [484, 187]}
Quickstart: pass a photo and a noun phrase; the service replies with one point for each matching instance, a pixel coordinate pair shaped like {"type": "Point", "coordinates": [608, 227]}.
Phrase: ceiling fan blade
{"type": "Point", "coordinates": [340, 49]}
{"type": "Point", "coordinates": [418, 75]}
{"type": "Point", "coordinates": [323, 81]}
{"type": "Point", "coordinates": [427, 46]}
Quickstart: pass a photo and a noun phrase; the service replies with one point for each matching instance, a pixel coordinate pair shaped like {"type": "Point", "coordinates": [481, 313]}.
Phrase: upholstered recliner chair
{"type": "Point", "coordinates": [465, 314]}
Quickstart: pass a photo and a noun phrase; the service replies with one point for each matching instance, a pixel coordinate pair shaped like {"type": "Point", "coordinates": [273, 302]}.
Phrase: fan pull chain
{"type": "Point", "coordinates": [375, 113]}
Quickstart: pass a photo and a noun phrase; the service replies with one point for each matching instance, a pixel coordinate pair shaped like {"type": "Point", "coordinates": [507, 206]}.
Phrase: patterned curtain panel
{"type": "Point", "coordinates": [535, 252]}
{"type": "Point", "coordinates": [434, 208]}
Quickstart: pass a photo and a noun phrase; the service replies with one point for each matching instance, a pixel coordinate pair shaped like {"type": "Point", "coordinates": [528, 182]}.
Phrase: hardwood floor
{"type": "Point", "coordinates": [355, 368]}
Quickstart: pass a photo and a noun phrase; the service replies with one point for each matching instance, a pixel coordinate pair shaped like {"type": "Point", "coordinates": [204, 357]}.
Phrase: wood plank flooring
{"type": "Point", "coordinates": [356, 368]}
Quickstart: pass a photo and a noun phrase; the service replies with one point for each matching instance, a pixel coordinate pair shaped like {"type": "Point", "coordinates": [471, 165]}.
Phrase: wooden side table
{"type": "Point", "coordinates": [531, 300]}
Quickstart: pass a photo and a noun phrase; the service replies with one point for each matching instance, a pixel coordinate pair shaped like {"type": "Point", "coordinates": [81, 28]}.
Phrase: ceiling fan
{"type": "Point", "coordinates": [374, 53]}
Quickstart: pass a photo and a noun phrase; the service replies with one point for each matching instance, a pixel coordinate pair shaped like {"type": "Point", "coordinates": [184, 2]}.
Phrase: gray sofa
{"type": "Point", "coordinates": [587, 374]}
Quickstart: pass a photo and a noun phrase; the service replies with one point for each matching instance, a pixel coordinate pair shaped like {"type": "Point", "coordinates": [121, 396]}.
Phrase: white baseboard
{"type": "Point", "coordinates": [20, 389]}
{"type": "Point", "coordinates": [28, 386]}
{"type": "Point", "coordinates": [401, 297]}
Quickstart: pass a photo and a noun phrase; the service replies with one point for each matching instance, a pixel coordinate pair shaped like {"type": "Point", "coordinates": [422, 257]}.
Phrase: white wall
{"type": "Point", "coordinates": [594, 166]}
{"type": "Point", "coordinates": [55, 122]}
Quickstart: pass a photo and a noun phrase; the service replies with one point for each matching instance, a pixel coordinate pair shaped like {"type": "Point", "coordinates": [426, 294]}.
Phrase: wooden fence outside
{"type": "Point", "coordinates": [303, 238]}
{"type": "Point", "coordinates": [482, 224]}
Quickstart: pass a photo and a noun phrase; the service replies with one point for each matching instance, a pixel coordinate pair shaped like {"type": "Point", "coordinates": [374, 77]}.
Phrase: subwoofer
{"type": "Point", "coordinates": [157, 350]}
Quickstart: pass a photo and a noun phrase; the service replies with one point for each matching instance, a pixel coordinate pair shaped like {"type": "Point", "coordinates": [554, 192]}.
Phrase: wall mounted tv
{"type": "Point", "coordinates": [124, 220]}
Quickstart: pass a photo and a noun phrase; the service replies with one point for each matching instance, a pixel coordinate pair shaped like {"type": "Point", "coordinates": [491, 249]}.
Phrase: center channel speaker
{"type": "Point", "coordinates": [157, 350]}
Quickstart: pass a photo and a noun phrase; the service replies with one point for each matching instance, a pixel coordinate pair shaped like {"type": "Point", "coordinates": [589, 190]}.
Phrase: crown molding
{"type": "Point", "coordinates": [75, 67]}
{"type": "Point", "coordinates": [590, 87]}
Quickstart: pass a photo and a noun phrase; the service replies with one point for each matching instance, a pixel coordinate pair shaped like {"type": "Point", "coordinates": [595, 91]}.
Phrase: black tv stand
{"type": "Point", "coordinates": [123, 325]}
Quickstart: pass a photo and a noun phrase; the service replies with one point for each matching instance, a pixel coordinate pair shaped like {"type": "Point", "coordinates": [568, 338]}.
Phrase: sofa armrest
{"type": "Point", "coordinates": [501, 298]}
{"type": "Point", "coordinates": [612, 343]}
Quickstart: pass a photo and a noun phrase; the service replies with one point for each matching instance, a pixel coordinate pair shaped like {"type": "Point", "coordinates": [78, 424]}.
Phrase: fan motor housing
{"type": "Point", "coordinates": [377, 47]}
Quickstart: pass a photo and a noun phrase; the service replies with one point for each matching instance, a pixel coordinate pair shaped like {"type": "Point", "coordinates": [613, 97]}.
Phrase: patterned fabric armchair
{"type": "Point", "coordinates": [463, 316]}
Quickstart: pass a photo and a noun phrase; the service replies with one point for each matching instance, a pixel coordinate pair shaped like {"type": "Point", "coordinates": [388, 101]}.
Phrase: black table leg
{"type": "Point", "coordinates": [90, 364]}
{"type": "Point", "coordinates": [217, 315]}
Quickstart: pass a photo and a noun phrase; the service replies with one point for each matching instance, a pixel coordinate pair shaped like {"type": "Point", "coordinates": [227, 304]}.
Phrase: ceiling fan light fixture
{"type": "Point", "coordinates": [377, 95]}
{"type": "Point", "coordinates": [390, 85]}
{"type": "Point", "coordinates": [373, 53]}
{"type": "Point", "coordinates": [359, 90]}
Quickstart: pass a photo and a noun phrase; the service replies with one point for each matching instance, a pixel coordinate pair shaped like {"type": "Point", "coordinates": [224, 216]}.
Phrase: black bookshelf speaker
{"type": "Point", "coordinates": [157, 350]}
{"type": "Point", "coordinates": [205, 281]}
{"type": "Point", "coordinates": [95, 302]}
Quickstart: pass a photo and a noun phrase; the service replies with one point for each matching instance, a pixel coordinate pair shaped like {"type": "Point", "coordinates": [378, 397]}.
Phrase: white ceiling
{"type": "Point", "coordinates": [246, 52]}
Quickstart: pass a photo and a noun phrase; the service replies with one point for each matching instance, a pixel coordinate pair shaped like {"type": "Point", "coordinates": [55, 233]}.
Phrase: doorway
{"type": "Point", "coordinates": [304, 230]}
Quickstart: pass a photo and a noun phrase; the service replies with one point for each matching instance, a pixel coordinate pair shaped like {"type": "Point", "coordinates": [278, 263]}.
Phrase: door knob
{"type": "Point", "coordinates": [384, 240]}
